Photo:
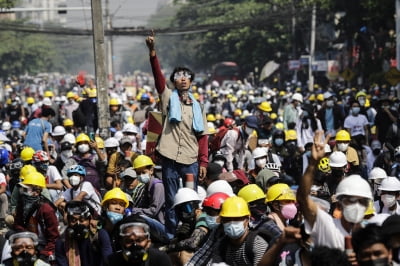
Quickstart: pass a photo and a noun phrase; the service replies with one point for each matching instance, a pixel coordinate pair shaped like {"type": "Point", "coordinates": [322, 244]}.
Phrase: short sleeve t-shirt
{"type": "Point", "coordinates": [52, 175]}
{"type": "Point", "coordinates": [91, 196]}
{"type": "Point", "coordinates": [356, 124]}
{"type": "Point", "coordinates": [34, 133]}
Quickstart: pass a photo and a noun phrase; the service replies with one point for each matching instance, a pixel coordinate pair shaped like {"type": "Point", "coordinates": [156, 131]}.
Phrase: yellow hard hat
{"type": "Point", "coordinates": [320, 97]}
{"type": "Point", "coordinates": [115, 193]}
{"type": "Point", "coordinates": [211, 118]}
{"type": "Point", "coordinates": [324, 166]}
{"type": "Point", "coordinates": [360, 94]}
{"type": "Point", "coordinates": [282, 93]}
{"type": "Point", "coordinates": [251, 192]}
{"type": "Point", "coordinates": [35, 179]}
{"type": "Point", "coordinates": [279, 126]}
{"type": "Point", "coordinates": [290, 134]}
{"type": "Point", "coordinates": [237, 112]}
{"type": "Point", "coordinates": [142, 161]}
{"type": "Point", "coordinates": [114, 101]}
{"type": "Point", "coordinates": [70, 94]}
{"type": "Point", "coordinates": [234, 207]}
{"type": "Point", "coordinates": [280, 191]}
{"type": "Point", "coordinates": [229, 96]}
{"type": "Point", "coordinates": [82, 137]}
{"type": "Point", "coordinates": [25, 170]}
{"type": "Point", "coordinates": [265, 107]}
{"type": "Point", "coordinates": [342, 135]}
{"type": "Point", "coordinates": [30, 100]}
{"type": "Point", "coordinates": [68, 122]}
{"type": "Point", "coordinates": [273, 116]}
{"type": "Point", "coordinates": [27, 153]}
{"type": "Point", "coordinates": [311, 98]}
{"type": "Point", "coordinates": [48, 94]}
{"type": "Point", "coordinates": [100, 142]}
{"type": "Point", "coordinates": [234, 99]}
{"type": "Point", "coordinates": [9, 101]}
{"type": "Point", "coordinates": [218, 116]}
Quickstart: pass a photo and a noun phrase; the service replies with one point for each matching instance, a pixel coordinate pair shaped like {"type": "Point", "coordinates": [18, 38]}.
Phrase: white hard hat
{"type": "Point", "coordinates": [185, 195]}
{"type": "Point", "coordinates": [337, 159]}
{"type": "Point", "coordinates": [70, 138]}
{"type": "Point", "coordinates": [46, 101]}
{"type": "Point", "coordinates": [354, 185]}
{"type": "Point", "coordinates": [118, 135]}
{"type": "Point", "coordinates": [390, 183]}
{"type": "Point", "coordinates": [58, 131]}
{"type": "Point", "coordinates": [6, 126]}
{"type": "Point", "coordinates": [298, 97]}
{"type": "Point", "coordinates": [220, 186]}
{"type": "Point", "coordinates": [111, 143]}
{"type": "Point", "coordinates": [259, 152]}
{"type": "Point", "coordinates": [130, 128]}
{"type": "Point", "coordinates": [377, 173]}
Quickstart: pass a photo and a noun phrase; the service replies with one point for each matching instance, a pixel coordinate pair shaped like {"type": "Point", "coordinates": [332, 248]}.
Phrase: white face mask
{"type": "Point", "coordinates": [66, 154]}
{"type": "Point", "coordinates": [330, 103]}
{"type": "Point", "coordinates": [83, 148]}
{"type": "Point", "coordinates": [354, 213]}
{"type": "Point", "coordinates": [221, 163]}
{"type": "Point", "coordinates": [249, 130]}
{"type": "Point", "coordinates": [74, 180]}
{"type": "Point", "coordinates": [144, 178]}
{"type": "Point", "coordinates": [388, 200]}
{"type": "Point", "coordinates": [261, 162]}
{"type": "Point", "coordinates": [342, 147]}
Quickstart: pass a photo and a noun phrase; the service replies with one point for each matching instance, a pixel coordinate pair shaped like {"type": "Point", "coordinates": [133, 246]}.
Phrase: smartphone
{"type": "Point", "coordinates": [91, 136]}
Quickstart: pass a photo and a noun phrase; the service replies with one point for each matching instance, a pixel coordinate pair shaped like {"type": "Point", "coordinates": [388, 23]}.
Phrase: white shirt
{"type": "Point", "coordinates": [3, 180]}
{"type": "Point", "coordinates": [356, 124]}
{"type": "Point", "coordinates": [327, 231]}
{"type": "Point", "coordinates": [91, 196]}
{"type": "Point", "coordinates": [52, 175]}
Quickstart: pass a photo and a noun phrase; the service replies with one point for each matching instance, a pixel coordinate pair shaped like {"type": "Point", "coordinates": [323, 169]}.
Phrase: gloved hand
{"type": "Point", "coordinates": [184, 231]}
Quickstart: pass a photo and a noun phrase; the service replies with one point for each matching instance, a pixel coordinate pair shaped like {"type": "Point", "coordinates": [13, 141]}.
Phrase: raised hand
{"type": "Point", "coordinates": [150, 41]}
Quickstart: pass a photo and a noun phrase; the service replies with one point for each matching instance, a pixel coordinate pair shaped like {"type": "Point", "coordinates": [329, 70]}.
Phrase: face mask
{"type": "Point", "coordinates": [83, 148]}
{"type": "Point", "coordinates": [43, 167]}
{"type": "Point", "coordinates": [26, 191]}
{"type": "Point", "coordinates": [66, 154]}
{"type": "Point", "coordinates": [388, 200]}
{"type": "Point", "coordinates": [258, 210]}
{"type": "Point", "coordinates": [261, 162]}
{"type": "Point", "coordinates": [354, 213]}
{"type": "Point", "coordinates": [234, 230]}
{"type": "Point", "coordinates": [78, 231]}
{"type": "Point", "coordinates": [289, 211]}
{"type": "Point", "coordinates": [135, 254]}
{"type": "Point", "coordinates": [212, 221]}
{"type": "Point", "coordinates": [249, 131]}
{"type": "Point", "coordinates": [362, 102]}
{"type": "Point", "coordinates": [144, 178]}
{"type": "Point", "coordinates": [25, 259]}
{"type": "Point", "coordinates": [330, 103]}
{"type": "Point", "coordinates": [221, 163]}
{"type": "Point", "coordinates": [278, 142]}
{"type": "Point", "coordinates": [74, 180]}
{"type": "Point", "coordinates": [342, 147]}
{"type": "Point", "coordinates": [355, 110]}
{"type": "Point", "coordinates": [114, 217]}
{"type": "Point", "coordinates": [377, 262]}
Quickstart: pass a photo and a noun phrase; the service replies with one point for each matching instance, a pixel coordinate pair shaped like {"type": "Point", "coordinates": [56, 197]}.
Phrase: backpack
{"type": "Point", "coordinates": [215, 144]}
{"type": "Point", "coordinates": [92, 174]}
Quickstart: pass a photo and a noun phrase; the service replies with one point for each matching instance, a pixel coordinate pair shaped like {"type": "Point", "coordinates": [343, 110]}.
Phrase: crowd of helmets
{"type": "Point", "coordinates": [364, 140]}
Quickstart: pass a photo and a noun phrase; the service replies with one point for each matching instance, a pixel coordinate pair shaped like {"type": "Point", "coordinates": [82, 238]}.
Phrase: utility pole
{"type": "Point", "coordinates": [110, 63]}
{"type": "Point", "coordinates": [312, 49]}
{"type": "Point", "coordinates": [398, 34]}
{"type": "Point", "coordinates": [100, 69]}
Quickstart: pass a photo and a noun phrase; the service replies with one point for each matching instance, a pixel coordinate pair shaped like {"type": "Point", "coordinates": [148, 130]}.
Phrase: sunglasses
{"type": "Point", "coordinates": [182, 74]}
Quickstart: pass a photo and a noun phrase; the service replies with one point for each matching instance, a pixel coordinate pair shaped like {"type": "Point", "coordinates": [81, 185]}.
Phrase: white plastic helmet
{"type": "Point", "coordinates": [220, 186]}
{"type": "Point", "coordinates": [337, 159]}
{"type": "Point", "coordinates": [377, 173]}
{"type": "Point", "coordinates": [298, 97]}
{"type": "Point", "coordinates": [6, 126]}
{"type": "Point", "coordinates": [259, 152]}
{"type": "Point", "coordinates": [354, 185]}
{"type": "Point", "coordinates": [390, 183]}
{"type": "Point", "coordinates": [58, 131]}
{"type": "Point", "coordinates": [130, 128]}
{"type": "Point", "coordinates": [397, 151]}
{"type": "Point", "coordinates": [185, 195]}
{"type": "Point", "coordinates": [118, 135]}
{"type": "Point", "coordinates": [202, 193]}
{"type": "Point", "coordinates": [70, 138]}
{"type": "Point", "coordinates": [111, 143]}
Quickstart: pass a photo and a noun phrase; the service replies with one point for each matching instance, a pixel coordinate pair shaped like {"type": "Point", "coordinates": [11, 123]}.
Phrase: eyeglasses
{"type": "Point", "coordinates": [182, 74]}
{"type": "Point", "coordinates": [353, 200]}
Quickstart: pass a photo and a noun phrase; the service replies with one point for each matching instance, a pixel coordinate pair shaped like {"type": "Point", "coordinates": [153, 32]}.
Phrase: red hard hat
{"type": "Point", "coordinates": [215, 200]}
{"type": "Point", "coordinates": [229, 122]}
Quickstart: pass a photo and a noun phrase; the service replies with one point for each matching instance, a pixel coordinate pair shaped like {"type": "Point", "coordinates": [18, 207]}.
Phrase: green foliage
{"type": "Point", "coordinates": [7, 3]}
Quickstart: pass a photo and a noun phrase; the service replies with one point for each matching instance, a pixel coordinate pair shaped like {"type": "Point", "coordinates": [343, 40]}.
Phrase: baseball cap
{"type": "Point", "coordinates": [125, 139]}
{"type": "Point", "coordinates": [251, 121]}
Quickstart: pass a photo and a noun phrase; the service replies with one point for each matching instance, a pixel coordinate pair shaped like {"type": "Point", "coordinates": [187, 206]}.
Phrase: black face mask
{"type": "Point", "coordinates": [337, 173]}
{"type": "Point", "coordinates": [78, 232]}
{"type": "Point", "coordinates": [135, 254]}
{"type": "Point", "coordinates": [258, 210]}
{"type": "Point", "coordinates": [376, 151]}
{"type": "Point", "coordinates": [25, 259]}
{"type": "Point", "coordinates": [377, 262]}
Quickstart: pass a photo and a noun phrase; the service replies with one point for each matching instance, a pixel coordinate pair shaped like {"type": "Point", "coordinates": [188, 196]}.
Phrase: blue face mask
{"type": "Point", "coordinates": [235, 229]}
{"type": "Point", "coordinates": [114, 217]}
{"type": "Point", "coordinates": [144, 178]}
{"type": "Point", "coordinates": [278, 142]}
{"type": "Point", "coordinates": [355, 110]}
{"type": "Point", "coordinates": [212, 221]}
